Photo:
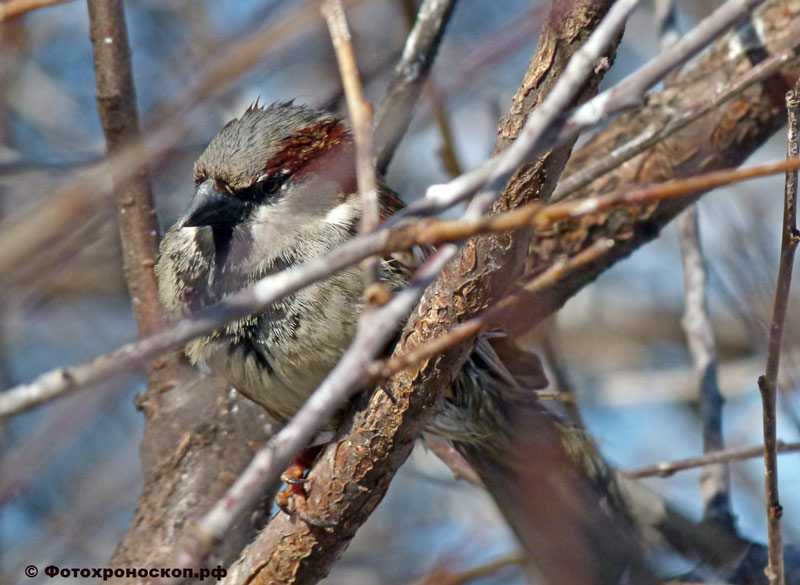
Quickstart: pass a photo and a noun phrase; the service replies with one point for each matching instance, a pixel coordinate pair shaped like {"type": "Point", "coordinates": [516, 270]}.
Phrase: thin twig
{"type": "Point", "coordinates": [361, 123]}
{"type": "Point", "coordinates": [559, 378]}
{"type": "Point", "coordinates": [740, 453]}
{"type": "Point", "coordinates": [454, 460]}
{"type": "Point", "coordinates": [14, 8]}
{"type": "Point", "coordinates": [448, 148]}
{"type": "Point", "coordinates": [396, 108]}
{"type": "Point", "coordinates": [715, 480]}
{"type": "Point", "coordinates": [119, 116]}
{"type": "Point", "coordinates": [767, 384]}
{"type": "Point", "coordinates": [442, 578]}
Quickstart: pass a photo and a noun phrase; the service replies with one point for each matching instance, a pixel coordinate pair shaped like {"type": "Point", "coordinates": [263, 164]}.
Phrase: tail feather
{"type": "Point", "coordinates": [577, 519]}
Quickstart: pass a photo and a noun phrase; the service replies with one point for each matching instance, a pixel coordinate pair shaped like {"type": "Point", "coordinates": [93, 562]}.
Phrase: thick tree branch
{"type": "Point", "coordinates": [119, 116]}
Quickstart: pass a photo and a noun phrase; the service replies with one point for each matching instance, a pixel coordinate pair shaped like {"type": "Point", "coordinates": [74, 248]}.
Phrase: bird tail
{"type": "Point", "coordinates": [577, 519]}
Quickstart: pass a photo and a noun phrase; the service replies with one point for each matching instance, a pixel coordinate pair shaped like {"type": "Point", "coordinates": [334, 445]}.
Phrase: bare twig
{"type": "Point", "coordinates": [14, 8]}
{"type": "Point", "coordinates": [395, 110]}
{"type": "Point", "coordinates": [715, 480]}
{"type": "Point", "coordinates": [559, 378]}
{"type": "Point", "coordinates": [767, 384]}
{"type": "Point", "coordinates": [119, 115]}
{"type": "Point", "coordinates": [361, 122]}
{"type": "Point", "coordinates": [630, 92]}
{"type": "Point", "coordinates": [439, 577]}
{"type": "Point", "coordinates": [448, 149]}
{"type": "Point", "coordinates": [666, 469]}
{"type": "Point", "coordinates": [454, 460]}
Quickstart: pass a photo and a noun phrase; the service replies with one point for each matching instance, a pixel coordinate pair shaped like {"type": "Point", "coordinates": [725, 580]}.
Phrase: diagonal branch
{"type": "Point", "coordinates": [397, 107]}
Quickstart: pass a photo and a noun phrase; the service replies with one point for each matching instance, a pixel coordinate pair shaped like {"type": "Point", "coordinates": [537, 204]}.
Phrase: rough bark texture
{"type": "Point", "coordinates": [198, 439]}
{"type": "Point", "coordinates": [354, 472]}
{"type": "Point", "coordinates": [724, 138]}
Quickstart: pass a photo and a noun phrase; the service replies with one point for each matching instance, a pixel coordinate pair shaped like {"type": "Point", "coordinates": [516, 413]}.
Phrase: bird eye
{"type": "Point", "coordinates": [264, 186]}
{"type": "Point", "coordinates": [268, 184]}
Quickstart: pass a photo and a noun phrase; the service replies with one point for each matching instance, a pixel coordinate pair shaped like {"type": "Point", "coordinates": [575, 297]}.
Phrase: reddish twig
{"type": "Point", "coordinates": [767, 384]}
{"type": "Point", "coordinates": [439, 577]}
{"type": "Point", "coordinates": [492, 315]}
{"type": "Point", "coordinates": [454, 460]}
{"type": "Point", "coordinates": [668, 468]}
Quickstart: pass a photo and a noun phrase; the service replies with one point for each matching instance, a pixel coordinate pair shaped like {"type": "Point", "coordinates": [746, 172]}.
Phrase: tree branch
{"type": "Point", "coordinates": [15, 8]}
{"type": "Point", "coordinates": [397, 107]}
{"type": "Point", "coordinates": [119, 116]}
{"type": "Point", "coordinates": [666, 469]}
{"type": "Point", "coordinates": [767, 384]}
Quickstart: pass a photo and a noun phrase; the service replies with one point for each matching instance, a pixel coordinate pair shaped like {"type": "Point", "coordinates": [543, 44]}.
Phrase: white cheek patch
{"type": "Point", "coordinates": [343, 214]}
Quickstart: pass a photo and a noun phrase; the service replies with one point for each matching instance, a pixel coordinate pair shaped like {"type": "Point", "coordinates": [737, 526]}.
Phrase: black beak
{"type": "Point", "coordinates": [209, 207]}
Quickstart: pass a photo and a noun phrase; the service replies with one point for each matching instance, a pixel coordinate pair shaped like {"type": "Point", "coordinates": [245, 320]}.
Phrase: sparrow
{"type": "Point", "coordinates": [275, 188]}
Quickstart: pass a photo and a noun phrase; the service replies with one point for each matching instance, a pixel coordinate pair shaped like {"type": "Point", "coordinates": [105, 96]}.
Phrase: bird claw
{"type": "Point", "coordinates": [288, 479]}
{"type": "Point", "coordinates": [292, 499]}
